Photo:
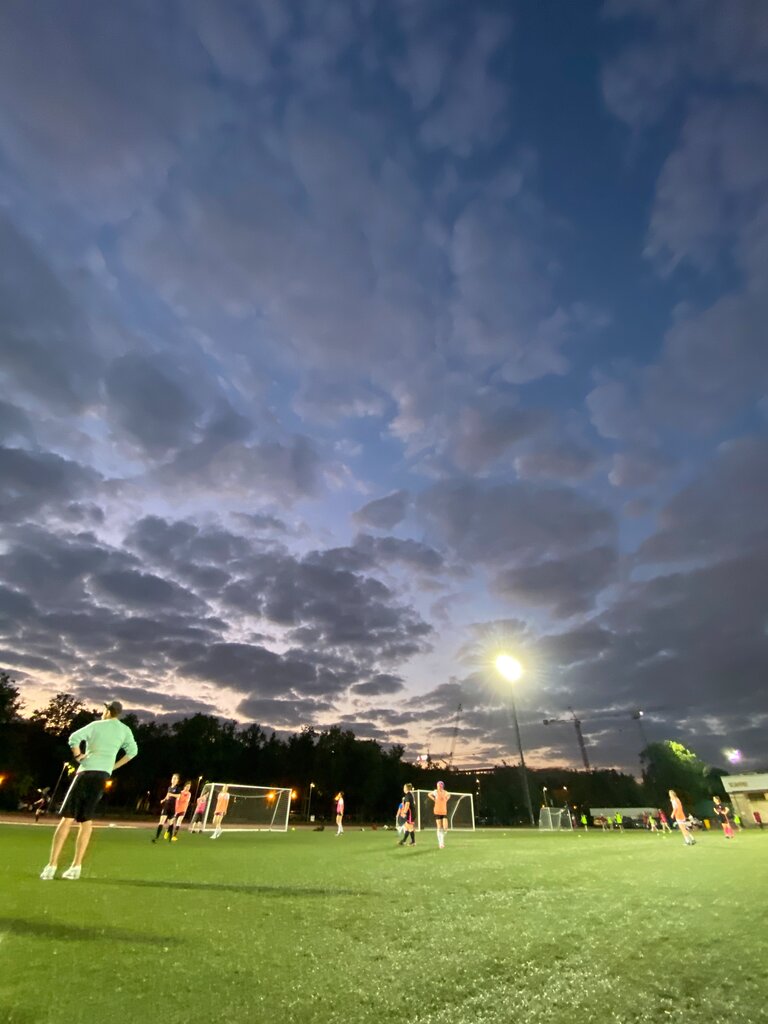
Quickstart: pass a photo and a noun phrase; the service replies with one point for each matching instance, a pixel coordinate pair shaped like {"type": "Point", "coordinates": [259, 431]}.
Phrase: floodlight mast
{"type": "Point", "coordinates": [511, 670]}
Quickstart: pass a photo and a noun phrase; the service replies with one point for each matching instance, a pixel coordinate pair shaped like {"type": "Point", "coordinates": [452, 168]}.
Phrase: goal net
{"type": "Point", "coordinates": [461, 810]}
{"type": "Point", "coordinates": [260, 808]}
{"type": "Point", "coordinates": [552, 819]}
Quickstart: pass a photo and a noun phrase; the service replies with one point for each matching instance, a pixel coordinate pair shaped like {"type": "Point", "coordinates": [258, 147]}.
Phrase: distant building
{"type": "Point", "coordinates": [749, 796]}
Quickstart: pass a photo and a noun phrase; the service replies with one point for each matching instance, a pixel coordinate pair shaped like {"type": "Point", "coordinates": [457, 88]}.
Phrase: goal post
{"type": "Point", "coordinates": [461, 811]}
{"type": "Point", "coordinates": [555, 819]}
{"type": "Point", "coordinates": [250, 808]}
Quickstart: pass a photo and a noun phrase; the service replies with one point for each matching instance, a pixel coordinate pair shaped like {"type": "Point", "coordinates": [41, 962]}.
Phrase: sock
{"type": "Point", "coordinates": [159, 830]}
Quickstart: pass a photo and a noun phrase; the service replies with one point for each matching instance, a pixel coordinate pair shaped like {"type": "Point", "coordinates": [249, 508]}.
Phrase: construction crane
{"type": "Point", "coordinates": [579, 736]}
{"type": "Point", "coordinates": [457, 719]}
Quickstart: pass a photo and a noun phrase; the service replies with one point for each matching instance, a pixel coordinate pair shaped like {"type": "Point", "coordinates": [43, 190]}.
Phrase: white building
{"type": "Point", "coordinates": [749, 796]}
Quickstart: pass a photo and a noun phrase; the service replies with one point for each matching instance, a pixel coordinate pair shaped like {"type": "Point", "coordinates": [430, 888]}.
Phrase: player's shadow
{"type": "Point", "coordinates": [86, 933]}
{"type": "Point", "coordinates": [245, 887]}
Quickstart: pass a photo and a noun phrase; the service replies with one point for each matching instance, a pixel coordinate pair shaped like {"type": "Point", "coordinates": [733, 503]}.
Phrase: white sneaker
{"type": "Point", "coordinates": [72, 873]}
{"type": "Point", "coordinates": [48, 873]}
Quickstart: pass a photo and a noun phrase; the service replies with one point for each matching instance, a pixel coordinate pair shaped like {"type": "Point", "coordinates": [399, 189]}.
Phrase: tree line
{"type": "Point", "coordinates": [314, 764]}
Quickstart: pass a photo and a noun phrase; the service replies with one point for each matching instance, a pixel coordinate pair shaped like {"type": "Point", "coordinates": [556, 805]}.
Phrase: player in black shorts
{"type": "Point", "coordinates": [409, 813]}
{"type": "Point", "coordinates": [168, 808]}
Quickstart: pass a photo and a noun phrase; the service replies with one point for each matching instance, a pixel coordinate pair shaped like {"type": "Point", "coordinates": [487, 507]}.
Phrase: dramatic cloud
{"type": "Point", "coordinates": [327, 340]}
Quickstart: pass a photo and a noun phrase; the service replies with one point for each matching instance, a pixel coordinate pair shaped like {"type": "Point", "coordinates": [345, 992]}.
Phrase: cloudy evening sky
{"type": "Point", "coordinates": [343, 343]}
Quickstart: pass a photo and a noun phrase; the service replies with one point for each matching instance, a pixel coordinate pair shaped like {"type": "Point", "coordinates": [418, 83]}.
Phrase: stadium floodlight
{"type": "Point", "coordinates": [511, 670]}
{"type": "Point", "coordinates": [734, 756]}
{"type": "Point", "coordinates": [251, 808]}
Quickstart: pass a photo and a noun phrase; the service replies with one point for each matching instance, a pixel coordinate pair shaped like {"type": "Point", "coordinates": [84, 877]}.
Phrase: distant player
{"type": "Point", "coordinates": [652, 825]}
{"type": "Point", "coordinates": [679, 816]}
{"type": "Point", "coordinates": [40, 806]}
{"type": "Point", "coordinates": [724, 815]}
{"type": "Point", "coordinates": [439, 798]}
{"type": "Point", "coordinates": [339, 812]}
{"type": "Point", "coordinates": [220, 810]}
{"type": "Point", "coordinates": [664, 822]}
{"type": "Point", "coordinates": [168, 808]}
{"type": "Point", "coordinates": [103, 739]}
{"type": "Point", "coordinates": [196, 825]}
{"type": "Point", "coordinates": [409, 813]}
{"type": "Point", "coordinates": [182, 803]}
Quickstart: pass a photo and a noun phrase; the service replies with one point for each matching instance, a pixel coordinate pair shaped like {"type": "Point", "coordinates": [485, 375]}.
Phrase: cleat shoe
{"type": "Point", "coordinates": [174, 839]}
{"type": "Point", "coordinates": [72, 873]}
{"type": "Point", "coordinates": [48, 873]}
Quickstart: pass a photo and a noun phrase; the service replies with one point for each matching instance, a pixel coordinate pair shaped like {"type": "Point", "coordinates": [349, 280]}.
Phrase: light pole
{"type": "Point", "coordinates": [546, 800]}
{"type": "Point", "coordinates": [511, 670]}
{"type": "Point", "coordinates": [309, 801]}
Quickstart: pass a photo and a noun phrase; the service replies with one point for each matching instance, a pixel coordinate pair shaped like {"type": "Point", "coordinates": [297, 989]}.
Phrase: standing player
{"type": "Point", "coordinates": [182, 803]}
{"type": "Point", "coordinates": [196, 824]}
{"type": "Point", "coordinates": [723, 813]}
{"type": "Point", "coordinates": [222, 804]}
{"type": "Point", "coordinates": [104, 739]}
{"type": "Point", "coordinates": [168, 808]}
{"type": "Point", "coordinates": [339, 798]}
{"type": "Point", "coordinates": [679, 815]}
{"type": "Point", "coordinates": [409, 828]}
{"type": "Point", "coordinates": [664, 822]}
{"type": "Point", "coordinates": [439, 798]}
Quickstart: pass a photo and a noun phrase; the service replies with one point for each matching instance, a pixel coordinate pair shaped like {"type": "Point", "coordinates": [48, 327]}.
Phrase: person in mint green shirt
{"type": "Point", "coordinates": [103, 739]}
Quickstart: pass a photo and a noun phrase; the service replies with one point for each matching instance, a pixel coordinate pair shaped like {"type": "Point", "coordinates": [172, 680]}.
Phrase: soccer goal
{"type": "Point", "coordinates": [553, 819]}
{"type": "Point", "coordinates": [251, 808]}
{"type": "Point", "coordinates": [461, 811]}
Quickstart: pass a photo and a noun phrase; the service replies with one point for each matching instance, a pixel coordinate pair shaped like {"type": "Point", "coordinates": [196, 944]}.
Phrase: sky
{"type": "Point", "coordinates": [343, 346]}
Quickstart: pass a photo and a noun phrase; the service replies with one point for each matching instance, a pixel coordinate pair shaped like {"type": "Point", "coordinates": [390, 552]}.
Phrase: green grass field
{"type": "Point", "coordinates": [306, 927]}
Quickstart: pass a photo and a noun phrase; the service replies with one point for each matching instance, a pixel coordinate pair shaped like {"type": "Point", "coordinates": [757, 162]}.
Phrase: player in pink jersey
{"type": "Point", "coordinates": [196, 825]}
{"type": "Point", "coordinates": [339, 812]}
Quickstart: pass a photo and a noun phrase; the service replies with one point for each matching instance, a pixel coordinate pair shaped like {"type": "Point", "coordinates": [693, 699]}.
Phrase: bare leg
{"type": "Point", "coordinates": [59, 838]}
{"type": "Point", "coordinates": [81, 843]}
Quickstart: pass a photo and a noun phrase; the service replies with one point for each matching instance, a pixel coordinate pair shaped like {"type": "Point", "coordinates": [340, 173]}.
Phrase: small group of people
{"type": "Point", "coordinates": [100, 748]}
{"type": "Point", "coordinates": [405, 818]}
{"type": "Point", "coordinates": [174, 807]}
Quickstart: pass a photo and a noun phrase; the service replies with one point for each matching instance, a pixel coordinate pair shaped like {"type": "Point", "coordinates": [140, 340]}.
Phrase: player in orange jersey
{"type": "Point", "coordinates": [222, 805]}
{"type": "Point", "coordinates": [679, 816]}
{"type": "Point", "coordinates": [439, 797]}
{"type": "Point", "coordinates": [182, 803]}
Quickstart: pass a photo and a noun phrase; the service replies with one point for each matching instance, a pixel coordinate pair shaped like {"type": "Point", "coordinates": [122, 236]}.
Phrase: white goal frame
{"type": "Point", "coordinates": [277, 806]}
{"type": "Point", "coordinates": [425, 818]}
{"type": "Point", "coordinates": [555, 819]}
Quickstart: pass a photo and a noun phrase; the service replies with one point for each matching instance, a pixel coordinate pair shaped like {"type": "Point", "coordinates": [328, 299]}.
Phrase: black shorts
{"type": "Point", "coordinates": [168, 808]}
{"type": "Point", "coordinates": [83, 796]}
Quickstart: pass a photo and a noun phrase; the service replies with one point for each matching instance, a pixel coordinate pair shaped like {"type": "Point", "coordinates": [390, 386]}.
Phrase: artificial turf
{"type": "Point", "coordinates": [307, 927]}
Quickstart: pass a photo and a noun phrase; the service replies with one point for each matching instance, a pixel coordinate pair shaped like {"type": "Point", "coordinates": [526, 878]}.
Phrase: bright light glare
{"type": "Point", "coordinates": [734, 756]}
{"type": "Point", "coordinates": [509, 667]}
